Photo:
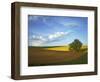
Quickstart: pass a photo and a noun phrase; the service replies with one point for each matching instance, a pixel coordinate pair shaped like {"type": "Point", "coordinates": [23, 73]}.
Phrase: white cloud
{"type": "Point", "coordinates": [41, 38]}
{"type": "Point", "coordinates": [38, 40]}
{"type": "Point", "coordinates": [34, 18]}
{"type": "Point", "coordinates": [57, 35]}
{"type": "Point", "coordinates": [36, 43]}
{"type": "Point", "coordinates": [69, 24]}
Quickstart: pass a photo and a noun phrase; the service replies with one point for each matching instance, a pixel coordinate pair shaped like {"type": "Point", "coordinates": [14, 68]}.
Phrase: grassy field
{"type": "Point", "coordinates": [58, 55]}
{"type": "Point", "coordinates": [58, 48]}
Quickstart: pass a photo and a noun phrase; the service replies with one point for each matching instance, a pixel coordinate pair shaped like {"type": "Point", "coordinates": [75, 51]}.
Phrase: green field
{"type": "Point", "coordinates": [57, 55]}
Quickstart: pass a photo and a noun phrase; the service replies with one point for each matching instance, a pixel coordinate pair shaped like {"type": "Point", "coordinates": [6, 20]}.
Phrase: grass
{"type": "Point", "coordinates": [81, 60]}
{"type": "Point", "coordinates": [58, 55]}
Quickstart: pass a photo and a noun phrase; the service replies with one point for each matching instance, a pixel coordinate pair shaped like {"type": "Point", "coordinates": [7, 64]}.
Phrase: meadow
{"type": "Point", "coordinates": [56, 55]}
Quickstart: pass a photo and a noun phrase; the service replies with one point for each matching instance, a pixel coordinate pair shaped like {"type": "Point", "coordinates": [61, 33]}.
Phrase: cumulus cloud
{"type": "Point", "coordinates": [57, 35]}
{"type": "Point", "coordinates": [38, 40]}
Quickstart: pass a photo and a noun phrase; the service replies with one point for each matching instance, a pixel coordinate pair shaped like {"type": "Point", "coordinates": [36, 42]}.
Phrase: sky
{"type": "Point", "coordinates": [56, 30]}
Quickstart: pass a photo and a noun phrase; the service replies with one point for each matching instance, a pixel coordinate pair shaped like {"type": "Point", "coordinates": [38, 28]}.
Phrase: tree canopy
{"type": "Point", "coordinates": [75, 45]}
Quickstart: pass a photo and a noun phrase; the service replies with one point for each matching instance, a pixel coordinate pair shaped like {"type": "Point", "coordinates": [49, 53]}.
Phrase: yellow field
{"type": "Point", "coordinates": [59, 48]}
{"type": "Point", "coordinates": [62, 48]}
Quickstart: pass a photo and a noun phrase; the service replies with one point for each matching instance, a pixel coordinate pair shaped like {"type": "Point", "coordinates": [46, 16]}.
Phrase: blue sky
{"type": "Point", "coordinates": [56, 30]}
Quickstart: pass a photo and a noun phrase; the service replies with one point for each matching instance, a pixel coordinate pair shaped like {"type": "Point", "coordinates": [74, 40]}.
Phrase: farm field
{"type": "Point", "coordinates": [57, 55]}
{"type": "Point", "coordinates": [57, 40]}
